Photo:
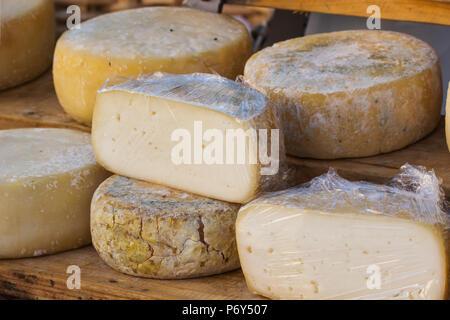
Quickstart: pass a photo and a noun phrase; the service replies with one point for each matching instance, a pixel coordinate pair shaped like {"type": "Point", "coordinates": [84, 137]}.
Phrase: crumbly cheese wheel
{"type": "Point", "coordinates": [27, 37]}
{"type": "Point", "coordinates": [447, 117]}
{"type": "Point", "coordinates": [144, 41]}
{"type": "Point", "coordinates": [47, 179]}
{"type": "Point", "coordinates": [350, 93]}
{"type": "Point", "coordinates": [152, 231]}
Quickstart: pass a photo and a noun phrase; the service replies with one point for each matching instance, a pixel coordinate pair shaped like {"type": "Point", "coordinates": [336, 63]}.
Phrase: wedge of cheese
{"type": "Point", "coordinates": [47, 179]}
{"type": "Point", "coordinates": [190, 132]}
{"type": "Point", "coordinates": [144, 41]}
{"type": "Point", "coordinates": [27, 38]}
{"type": "Point", "coordinates": [334, 239]}
{"type": "Point", "coordinates": [148, 230]}
{"type": "Point", "coordinates": [350, 93]}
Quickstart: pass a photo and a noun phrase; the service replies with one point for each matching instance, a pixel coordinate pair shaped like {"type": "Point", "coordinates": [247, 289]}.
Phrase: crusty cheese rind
{"type": "Point", "coordinates": [197, 97]}
{"type": "Point", "coordinates": [144, 41]}
{"type": "Point", "coordinates": [350, 93]}
{"type": "Point", "coordinates": [47, 181]}
{"type": "Point", "coordinates": [149, 230]}
{"type": "Point", "coordinates": [26, 41]}
{"type": "Point", "coordinates": [319, 241]}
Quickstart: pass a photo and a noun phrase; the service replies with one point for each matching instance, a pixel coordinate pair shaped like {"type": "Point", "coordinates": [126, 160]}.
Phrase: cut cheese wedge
{"type": "Point", "coordinates": [47, 179]}
{"type": "Point", "coordinates": [190, 132]}
{"type": "Point", "coordinates": [144, 41]}
{"type": "Point", "coordinates": [148, 230]}
{"type": "Point", "coordinates": [350, 93]}
{"type": "Point", "coordinates": [27, 38]}
{"type": "Point", "coordinates": [334, 239]}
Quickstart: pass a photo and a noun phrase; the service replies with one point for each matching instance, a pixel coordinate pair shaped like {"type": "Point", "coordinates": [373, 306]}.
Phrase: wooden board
{"type": "Point", "coordinates": [46, 278]}
{"type": "Point", "coordinates": [426, 11]}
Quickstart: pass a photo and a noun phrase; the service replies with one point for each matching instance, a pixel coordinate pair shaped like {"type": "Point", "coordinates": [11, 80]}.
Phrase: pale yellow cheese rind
{"type": "Point", "coordinates": [152, 231]}
{"type": "Point", "coordinates": [47, 180]}
{"type": "Point", "coordinates": [144, 41]}
{"type": "Point", "coordinates": [27, 37]}
{"type": "Point", "coordinates": [350, 93]}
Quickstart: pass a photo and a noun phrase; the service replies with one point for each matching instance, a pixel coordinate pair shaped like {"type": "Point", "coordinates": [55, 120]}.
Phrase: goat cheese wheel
{"type": "Point", "coordinates": [350, 93]}
{"type": "Point", "coordinates": [27, 38]}
{"type": "Point", "coordinates": [144, 41]}
{"type": "Point", "coordinates": [149, 230]}
{"type": "Point", "coordinates": [47, 179]}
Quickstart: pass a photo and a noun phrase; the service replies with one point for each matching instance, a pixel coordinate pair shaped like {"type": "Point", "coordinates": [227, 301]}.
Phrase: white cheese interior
{"type": "Point", "coordinates": [291, 253]}
{"type": "Point", "coordinates": [131, 135]}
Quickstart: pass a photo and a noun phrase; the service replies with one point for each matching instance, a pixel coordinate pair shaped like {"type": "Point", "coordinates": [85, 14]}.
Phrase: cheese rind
{"type": "Point", "coordinates": [350, 93]}
{"type": "Point", "coordinates": [135, 121]}
{"type": "Point", "coordinates": [144, 41]}
{"type": "Point", "coordinates": [153, 231]}
{"type": "Point", "coordinates": [47, 180]}
{"type": "Point", "coordinates": [329, 240]}
{"type": "Point", "coordinates": [27, 38]}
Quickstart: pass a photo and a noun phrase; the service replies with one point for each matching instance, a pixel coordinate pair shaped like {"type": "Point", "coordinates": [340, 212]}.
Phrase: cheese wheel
{"type": "Point", "coordinates": [47, 179]}
{"type": "Point", "coordinates": [152, 231]}
{"type": "Point", "coordinates": [27, 37]}
{"type": "Point", "coordinates": [141, 41]}
{"type": "Point", "coordinates": [447, 118]}
{"type": "Point", "coordinates": [350, 93]}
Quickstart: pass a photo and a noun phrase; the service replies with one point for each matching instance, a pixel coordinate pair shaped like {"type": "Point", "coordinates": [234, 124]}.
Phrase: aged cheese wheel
{"type": "Point", "coordinates": [47, 179]}
{"type": "Point", "coordinates": [152, 231]}
{"type": "Point", "coordinates": [350, 93]}
{"type": "Point", "coordinates": [146, 40]}
{"type": "Point", "coordinates": [27, 37]}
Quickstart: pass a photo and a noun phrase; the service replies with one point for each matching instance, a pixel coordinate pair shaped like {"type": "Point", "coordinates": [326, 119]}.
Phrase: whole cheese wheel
{"type": "Point", "coordinates": [27, 38]}
{"type": "Point", "coordinates": [148, 230]}
{"type": "Point", "coordinates": [47, 179]}
{"type": "Point", "coordinates": [142, 41]}
{"type": "Point", "coordinates": [350, 93]}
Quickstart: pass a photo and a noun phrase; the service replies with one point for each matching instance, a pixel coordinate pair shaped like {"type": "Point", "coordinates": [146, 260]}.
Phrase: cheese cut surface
{"type": "Point", "coordinates": [27, 37]}
{"type": "Point", "coordinates": [148, 230]}
{"type": "Point", "coordinates": [350, 93]}
{"type": "Point", "coordinates": [351, 241]}
{"type": "Point", "coordinates": [135, 127]}
{"type": "Point", "coordinates": [144, 41]}
{"type": "Point", "coordinates": [47, 179]}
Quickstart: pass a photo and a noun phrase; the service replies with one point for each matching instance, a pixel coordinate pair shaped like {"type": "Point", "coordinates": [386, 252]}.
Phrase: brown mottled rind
{"type": "Point", "coordinates": [350, 93]}
{"type": "Point", "coordinates": [152, 231]}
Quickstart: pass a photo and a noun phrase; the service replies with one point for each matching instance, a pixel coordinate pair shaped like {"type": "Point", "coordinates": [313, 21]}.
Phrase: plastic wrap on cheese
{"type": "Point", "coordinates": [336, 239]}
{"type": "Point", "coordinates": [199, 133]}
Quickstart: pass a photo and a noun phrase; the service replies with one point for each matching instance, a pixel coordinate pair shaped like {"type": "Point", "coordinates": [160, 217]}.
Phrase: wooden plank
{"type": "Point", "coordinates": [34, 104]}
{"type": "Point", "coordinates": [46, 278]}
{"type": "Point", "coordinates": [437, 12]}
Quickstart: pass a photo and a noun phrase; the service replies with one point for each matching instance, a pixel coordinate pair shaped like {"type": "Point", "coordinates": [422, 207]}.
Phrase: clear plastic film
{"type": "Point", "coordinates": [335, 239]}
{"type": "Point", "coordinates": [246, 116]}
